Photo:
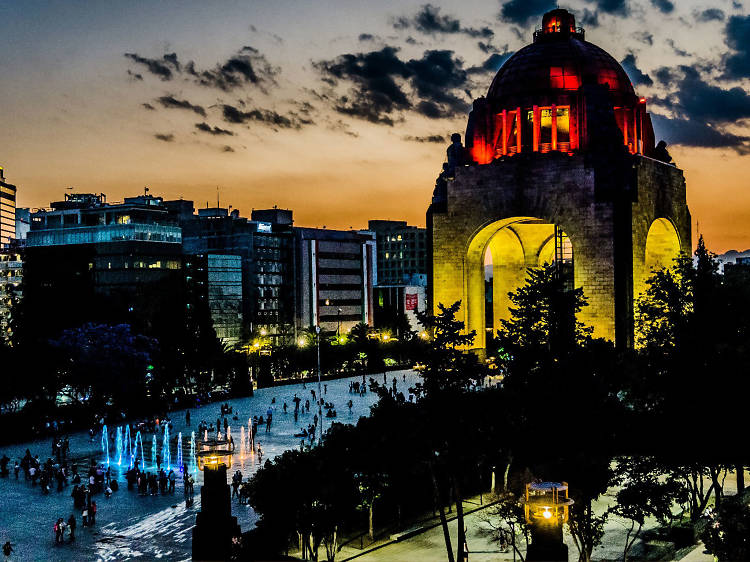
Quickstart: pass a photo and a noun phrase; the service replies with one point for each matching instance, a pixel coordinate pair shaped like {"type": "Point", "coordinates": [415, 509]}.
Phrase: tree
{"type": "Point", "coordinates": [371, 487]}
{"type": "Point", "coordinates": [506, 525]}
{"type": "Point", "coordinates": [644, 492]}
{"type": "Point", "coordinates": [727, 532]}
{"type": "Point", "coordinates": [94, 349]}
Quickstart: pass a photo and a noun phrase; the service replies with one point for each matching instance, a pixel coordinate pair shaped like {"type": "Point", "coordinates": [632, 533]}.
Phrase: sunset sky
{"type": "Point", "coordinates": [339, 110]}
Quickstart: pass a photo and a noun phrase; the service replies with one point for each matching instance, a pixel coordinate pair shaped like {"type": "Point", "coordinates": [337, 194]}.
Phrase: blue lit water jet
{"type": "Point", "coordinates": [179, 452]}
{"type": "Point", "coordinates": [138, 441]}
{"type": "Point", "coordinates": [153, 452]}
{"type": "Point", "coordinates": [128, 447]}
{"type": "Point", "coordinates": [166, 456]}
{"type": "Point", "coordinates": [118, 445]}
{"type": "Point", "coordinates": [193, 459]}
{"type": "Point", "coordinates": [105, 443]}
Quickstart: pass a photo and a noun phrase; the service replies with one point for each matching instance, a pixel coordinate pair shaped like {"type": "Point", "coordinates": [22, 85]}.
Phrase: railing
{"type": "Point", "coordinates": [104, 233]}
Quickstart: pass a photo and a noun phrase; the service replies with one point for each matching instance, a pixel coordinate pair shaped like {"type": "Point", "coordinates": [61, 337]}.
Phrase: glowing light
{"type": "Point", "coordinates": [105, 443]}
{"type": "Point", "coordinates": [263, 332]}
{"type": "Point", "coordinates": [547, 514]}
{"type": "Point", "coordinates": [302, 342]}
{"type": "Point", "coordinates": [118, 446]}
{"type": "Point", "coordinates": [180, 462]}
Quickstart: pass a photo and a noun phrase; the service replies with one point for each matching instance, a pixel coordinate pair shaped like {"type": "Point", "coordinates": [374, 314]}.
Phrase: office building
{"type": "Point", "coordinates": [336, 272]}
{"type": "Point", "coordinates": [402, 250]}
{"type": "Point", "coordinates": [7, 210]}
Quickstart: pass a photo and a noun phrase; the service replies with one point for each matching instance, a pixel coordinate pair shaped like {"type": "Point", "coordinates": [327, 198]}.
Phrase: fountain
{"type": "Point", "coordinates": [153, 452]}
{"type": "Point", "coordinates": [105, 443]}
{"type": "Point", "coordinates": [242, 442]}
{"type": "Point", "coordinates": [205, 435]}
{"type": "Point", "coordinates": [166, 456]}
{"type": "Point", "coordinates": [179, 452]}
{"type": "Point", "coordinates": [118, 445]}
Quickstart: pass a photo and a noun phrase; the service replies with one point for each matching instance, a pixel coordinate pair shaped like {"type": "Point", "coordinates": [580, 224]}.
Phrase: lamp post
{"type": "Point", "coordinates": [320, 408]}
{"type": "Point", "coordinates": [338, 328]}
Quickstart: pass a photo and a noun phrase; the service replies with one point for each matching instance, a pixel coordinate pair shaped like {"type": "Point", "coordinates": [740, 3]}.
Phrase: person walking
{"type": "Point", "coordinates": [171, 477]}
{"type": "Point", "coordinates": [72, 526]}
{"type": "Point", "coordinates": [92, 514]}
{"type": "Point", "coordinates": [187, 418]}
{"type": "Point", "coordinates": [7, 549]}
{"type": "Point", "coordinates": [85, 516]}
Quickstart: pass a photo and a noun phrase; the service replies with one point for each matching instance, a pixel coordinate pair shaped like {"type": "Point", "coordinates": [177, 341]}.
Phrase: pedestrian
{"type": "Point", "coordinates": [92, 514]}
{"type": "Point", "coordinates": [172, 478]}
{"type": "Point", "coordinates": [16, 469]}
{"type": "Point", "coordinates": [72, 527]}
{"type": "Point", "coordinates": [7, 549]}
{"type": "Point", "coordinates": [85, 516]}
{"type": "Point", "coordinates": [187, 418]}
{"type": "Point", "coordinates": [58, 530]}
{"type": "Point", "coordinates": [325, 389]}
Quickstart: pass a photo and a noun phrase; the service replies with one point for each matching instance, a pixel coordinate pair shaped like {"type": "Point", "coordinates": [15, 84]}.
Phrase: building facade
{"type": "Point", "coordinates": [402, 250]}
{"type": "Point", "coordinates": [7, 210]}
{"type": "Point", "coordinates": [559, 167]}
{"type": "Point", "coordinates": [89, 260]}
{"type": "Point", "coordinates": [336, 272]}
{"type": "Point", "coordinates": [216, 279]}
{"type": "Point", "coordinates": [11, 277]}
{"type": "Point", "coordinates": [266, 251]}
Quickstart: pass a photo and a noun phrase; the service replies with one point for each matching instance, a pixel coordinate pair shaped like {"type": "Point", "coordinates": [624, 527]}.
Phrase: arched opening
{"type": "Point", "coordinates": [496, 263]}
{"type": "Point", "coordinates": [662, 247]}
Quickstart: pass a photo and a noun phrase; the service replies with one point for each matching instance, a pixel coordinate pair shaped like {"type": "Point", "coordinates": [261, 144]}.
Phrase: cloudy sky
{"type": "Point", "coordinates": [339, 110]}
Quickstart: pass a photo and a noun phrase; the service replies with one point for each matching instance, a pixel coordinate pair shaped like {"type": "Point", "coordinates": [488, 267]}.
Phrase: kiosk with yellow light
{"type": "Point", "coordinates": [215, 527]}
{"type": "Point", "coordinates": [546, 509]}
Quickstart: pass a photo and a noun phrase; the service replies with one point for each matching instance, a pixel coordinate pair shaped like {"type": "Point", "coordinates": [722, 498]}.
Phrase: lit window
{"type": "Point", "coordinates": [563, 78]}
{"type": "Point", "coordinates": [563, 127]}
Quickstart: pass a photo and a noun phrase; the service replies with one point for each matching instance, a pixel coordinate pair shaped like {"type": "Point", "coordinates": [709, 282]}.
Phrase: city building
{"type": "Point", "coordinates": [217, 279]}
{"type": "Point", "coordinates": [560, 166]}
{"type": "Point", "coordinates": [402, 250]}
{"type": "Point", "coordinates": [89, 260]}
{"type": "Point", "coordinates": [267, 256]}
{"type": "Point", "coordinates": [396, 307]}
{"type": "Point", "coordinates": [7, 210]}
{"type": "Point", "coordinates": [336, 273]}
{"type": "Point", "coordinates": [23, 222]}
{"type": "Point", "coordinates": [11, 275]}
{"type": "Point", "coordinates": [738, 273]}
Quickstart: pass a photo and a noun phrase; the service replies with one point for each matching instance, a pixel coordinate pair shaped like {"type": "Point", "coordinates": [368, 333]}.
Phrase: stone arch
{"type": "Point", "coordinates": [515, 244]}
{"type": "Point", "coordinates": [662, 246]}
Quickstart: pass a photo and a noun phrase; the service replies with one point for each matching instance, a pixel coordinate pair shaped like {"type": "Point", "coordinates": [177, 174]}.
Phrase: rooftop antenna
{"type": "Point", "coordinates": [145, 190]}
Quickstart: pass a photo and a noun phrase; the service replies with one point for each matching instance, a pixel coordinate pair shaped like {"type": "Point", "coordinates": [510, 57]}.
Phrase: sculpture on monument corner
{"type": "Point", "coordinates": [455, 155]}
{"type": "Point", "coordinates": [661, 153]}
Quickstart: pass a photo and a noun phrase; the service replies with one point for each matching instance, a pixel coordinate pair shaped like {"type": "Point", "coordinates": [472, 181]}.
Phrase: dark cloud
{"type": "Point", "coordinates": [380, 85]}
{"type": "Point", "coordinates": [366, 37]}
{"type": "Point", "coordinates": [523, 11]}
{"type": "Point", "coordinates": [168, 137]}
{"type": "Point", "coordinates": [486, 47]}
{"type": "Point", "coordinates": [135, 75]}
{"type": "Point", "coordinates": [677, 51]}
{"type": "Point", "coordinates": [710, 14]}
{"type": "Point", "coordinates": [171, 102]}
{"type": "Point", "coordinates": [689, 132]}
{"type": "Point", "coordinates": [737, 36]}
{"type": "Point", "coordinates": [206, 128]}
{"type": "Point", "coordinates": [644, 37]}
{"type": "Point", "coordinates": [148, 106]}
{"type": "Point", "coordinates": [265, 116]}
{"type": "Point", "coordinates": [616, 7]}
{"type": "Point", "coordinates": [248, 66]}
{"type": "Point", "coordinates": [664, 6]}
{"type": "Point", "coordinates": [665, 75]}
{"type": "Point", "coordinates": [589, 18]}
{"type": "Point", "coordinates": [430, 21]}
{"type": "Point", "coordinates": [701, 111]}
{"type": "Point", "coordinates": [164, 67]}
{"type": "Point", "coordinates": [492, 63]}
{"type": "Point", "coordinates": [227, 148]}
{"type": "Point", "coordinates": [635, 74]}
{"type": "Point", "coordinates": [430, 138]}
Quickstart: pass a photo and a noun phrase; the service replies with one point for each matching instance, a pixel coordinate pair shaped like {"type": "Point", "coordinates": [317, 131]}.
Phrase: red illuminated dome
{"type": "Point", "coordinates": [561, 93]}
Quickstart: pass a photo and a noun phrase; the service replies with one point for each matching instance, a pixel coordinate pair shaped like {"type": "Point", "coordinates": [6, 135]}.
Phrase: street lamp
{"type": "Point", "coordinates": [338, 328]}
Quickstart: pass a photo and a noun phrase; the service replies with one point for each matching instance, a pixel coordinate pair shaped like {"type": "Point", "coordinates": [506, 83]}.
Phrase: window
{"type": "Point", "coordinates": [563, 78]}
{"type": "Point", "coordinates": [563, 128]}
